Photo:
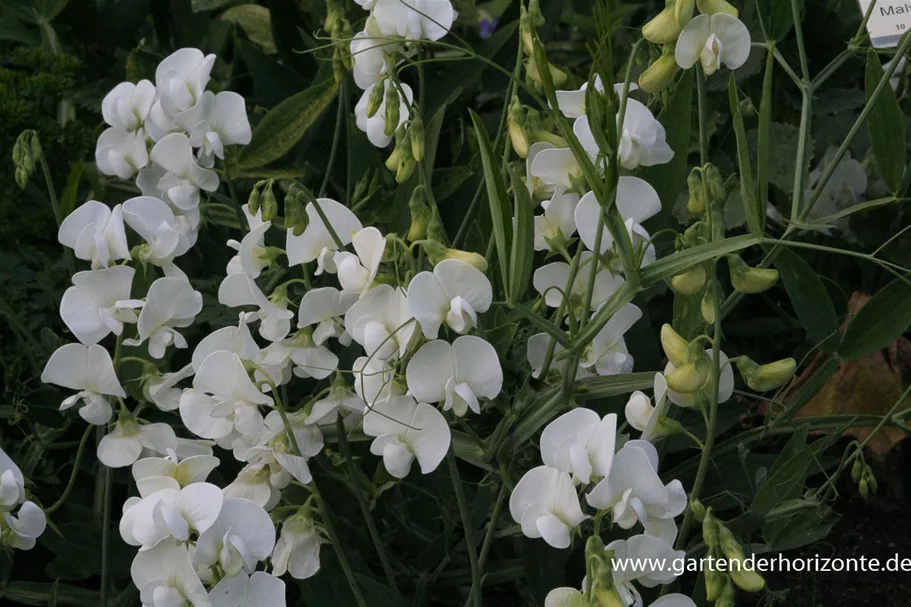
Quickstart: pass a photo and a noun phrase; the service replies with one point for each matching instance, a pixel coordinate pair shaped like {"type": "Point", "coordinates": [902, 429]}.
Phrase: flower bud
{"type": "Point", "coordinates": [269, 204]}
{"type": "Point", "coordinates": [728, 594]}
{"type": "Point", "coordinates": [763, 378]}
{"type": "Point", "coordinates": [663, 28]}
{"type": "Point", "coordinates": [857, 470]}
{"type": "Point", "coordinates": [393, 110]}
{"type": "Point", "coordinates": [436, 253]}
{"type": "Point", "coordinates": [435, 226]}
{"type": "Point", "coordinates": [420, 215]}
{"type": "Point", "coordinates": [688, 378]}
{"type": "Point", "coordinates": [375, 100]}
{"type": "Point", "coordinates": [683, 11]}
{"type": "Point", "coordinates": [696, 202]}
{"type": "Point", "coordinates": [675, 347]}
{"type": "Point", "coordinates": [750, 280]}
{"type": "Point", "coordinates": [517, 135]}
{"type": "Point", "coordinates": [710, 7]}
{"type": "Point", "coordinates": [714, 186]}
{"type": "Point", "coordinates": [253, 201]}
{"type": "Point", "coordinates": [296, 218]}
{"type": "Point", "coordinates": [690, 282]}
{"type": "Point", "coordinates": [608, 597]}
{"type": "Point", "coordinates": [416, 136]}
{"type": "Point", "coordinates": [698, 510]}
{"type": "Point", "coordinates": [394, 158]}
{"type": "Point", "coordinates": [406, 168]}
{"type": "Point", "coordinates": [659, 74]}
{"type": "Point", "coordinates": [334, 13]}
{"type": "Point", "coordinates": [557, 76]}
{"type": "Point", "coordinates": [707, 305]}
{"type": "Point", "coordinates": [714, 583]}
{"type": "Point", "coordinates": [709, 529]}
{"type": "Point", "coordinates": [26, 152]}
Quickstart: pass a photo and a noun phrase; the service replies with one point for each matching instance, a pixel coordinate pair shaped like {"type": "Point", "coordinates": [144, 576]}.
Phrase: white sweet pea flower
{"type": "Point", "coordinates": [456, 375]}
{"type": "Point", "coordinates": [572, 103]}
{"type": "Point", "coordinates": [252, 257]}
{"type": "Point", "coordinates": [558, 223]}
{"type": "Point", "coordinates": [317, 243]}
{"type": "Point", "coordinates": [374, 380]}
{"type": "Point", "coordinates": [155, 222]}
{"type": "Point", "coordinates": [121, 153]}
{"type": "Point", "coordinates": [95, 232]}
{"type": "Point", "coordinates": [607, 354]}
{"type": "Point", "coordinates": [89, 370]}
{"type": "Point", "coordinates": [129, 439]}
{"type": "Point", "coordinates": [127, 105]}
{"type": "Point", "coordinates": [20, 531]}
{"type": "Point", "coordinates": [536, 353]}
{"type": "Point", "coordinates": [406, 430]}
{"type": "Point", "coordinates": [165, 577]}
{"type": "Point", "coordinates": [641, 415]}
{"type": "Point", "coordinates": [659, 556]}
{"type": "Point", "coordinates": [643, 141]}
{"type": "Point", "coordinates": [153, 474]}
{"type": "Point", "coordinates": [633, 492]}
{"type": "Point", "coordinates": [239, 289]}
{"type": "Point", "coordinates": [216, 121]}
{"type": "Point", "coordinates": [310, 360]}
{"type": "Point", "coordinates": [181, 78]}
{"type": "Point", "coordinates": [545, 503]}
{"type": "Point", "coordinates": [241, 536]}
{"type": "Point", "coordinates": [373, 53]}
{"type": "Point", "coordinates": [580, 443]}
{"type": "Point", "coordinates": [297, 549]}
{"type": "Point", "coordinates": [257, 590]}
{"type": "Point", "coordinates": [341, 400]}
{"type": "Point", "coordinates": [551, 280]}
{"type": "Point", "coordinates": [99, 303]}
{"type": "Point", "coordinates": [713, 40]}
{"type": "Point", "coordinates": [453, 293]}
{"type": "Point", "coordinates": [170, 513]}
{"type": "Point", "coordinates": [12, 483]}
{"type": "Point", "coordinates": [415, 19]}
{"type": "Point", "coordinates": [725, 383]}
{"type": "Point", "coordinates": [233, 406]}
{"type": "Point", "coordinates": [536, 187]}
{"type": "Point", "coordinates": [257, 483]}
{"type": "Point", "coordinates": [570, 597]}
{"type": "Point", "coordinates": [236, 339]}
{"type": "Point", "coordinates": [555, 168]}
{"type": "Point", "coordinates": [636, 200]}
{"type": "Point", "coordinates": [184, 177]}
{"type": "Point", "coordinates": [170, 304]}
{"type": "Point", "coordinates": [381, 322]}
{"type": "Point", "coordinates": [375, 126]}
{"type": "Point", "coordinates": [273, 448]}
{"type": "Point", "coordinates": [357, 270]}
{"type": "Point", "coordinates": [162, 390]}
{"type": "Point", "coordinates": [324, 307]}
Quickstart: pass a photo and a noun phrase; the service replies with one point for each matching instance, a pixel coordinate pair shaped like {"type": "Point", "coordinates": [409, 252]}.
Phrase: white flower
{"type": "Point", "coordinates": [257, 590]}
{"type": "Point", "coordinates": [234, 402]}
{"type": "Point", "coordinates": [372, 51]}
{"type": "Point", "coordinates": [641, 415]}
{"type": "Point", "coordinates": [381, 322]}
{"type": "Point", "coordinates": [375, 126]}
{"type": "Point", "coordinates": [317, 243]}
{"type": "Point", "coordinates": [554, 167]}
{"type": "Point", "coordinates": [551, 280]}
{"type": "Point", "coordinates": [241, 536]}
{"type": "Point", "coordinates": [99, 303]}
{"type": "Point", "coordinates": [310, 360]}
{"type": "Point", "coordinates": [156, 473]}
{"type": "Point", "coordinates": [297, 549]}
{"type": "Point", "coordinates": [713, 40]}
{"type": "Point", "coordinates": [155, 222]}
{"type": "Point", "coordinates": [456, 375]}
{"type": "Point", "coordinates": [89, 370]}
{"type": "Point", "coordinates": [165, 577]}
{"type": "Point", "coordinates": [129, 439]}
{"type": "Point", "coordinates": [170, 513]}
{"type": "Point", "coordinates": [453, 293]}
{"type": "Point", "coordinates": [236, 339]}
{"type": "Point", "coordinates": [558, 223]}
{"type": "Point", "coordinates": [239, 289]}
{"type": "Point", "coordinates": [12, 483]}
{"type": "Point", "coordinates": [636, 200]}
{"type": "Point", "coordinates": [184, 177]}
{"type": "Point", "coordinates": [630, 554]}
{"type": "Point", "coordinates": [536, 187]}
{"type": "Point", "coordinates": [95, 233]}
{"type": "Point", "coordinates": [273, 448]}
{"type": "Point", "coordinates": [725, 383]}
{"type": "Point", "coordinates": [545, 503]}
{"type": "Point", "coordinates": [357, 270]}
{"type": "Point", "coordinates": [374, 380]}
{"type": "Point", "coordinates": [643, 141]}
{"type": "Point", "coordinates": [572, 103]}
{"type": "Point", "coordinates": [121, 152]}
{"type": "Point", "coordinates": [340, 400]}
{"type": "Point", "coordinates": [536, 352]}
{"type": "Point", "coordinates": [324, 308]}
{"type": "Point", "coordinates": [580, 443]}
{"type": "Point", "coordinates": [181, 78]}
{"type": "Point", "coordinates": [22, 530]}
{"type": "Point", "coordinates": [161, 390]}
{"type": "Point", "coordinates": [407, 430]}
{"type": "Point", "coordinates": [257, 483]}
{"type": "Point", "coordinates": [127, 105]}
{"type": "Point", "coordinates": [170, 304]}
{"type": "Point", "coordinates": [607, 354]}
{"type": "Point", "coordinates": [251, 257]}
{"type": "Point", "coordinates": [633, 491]}
{"type": "Point", "coordinates": [414, 19]}
{"type": "Point", "coordinates": [216, 121]}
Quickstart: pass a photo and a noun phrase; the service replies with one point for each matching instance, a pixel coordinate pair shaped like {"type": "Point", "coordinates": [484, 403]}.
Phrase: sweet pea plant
{"type": "Point", "coordinates": [366, 350]}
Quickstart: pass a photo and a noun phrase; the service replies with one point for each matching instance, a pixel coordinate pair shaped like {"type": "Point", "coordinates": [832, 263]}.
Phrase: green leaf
{"type": "Point", "coordinates": [809, 297]}
{"type": "Point", "coordinates": [541, 323]}
{"type": "Point", "coordinates": [71, 190]}
{"type": "Point", "coordinates": [273, 81]}
{"type": "Point", "coordinates": [208, 5]}
{"type": "Point", "coordinates": [786, 478]}
{"type": "Point", "coordinates": [523, 242]}
{"type": "Point", "coordinates": [688, 321]}
{"type": "Point", "coordinates": [747, 187]}
{"type": "Point", "coordinates": [256, 22]}
{"type": "Point", "coordinates": [35, 593]}
{"type": "Point", "coordinates": [779, 17]}
{"type": "Point", "coordinates": [613, 385]}
{"type": "Point", "coordinates": [286, 123]}
{"type": "Point", "coordinates": [496, 196]}
{"type": "Point", "coordinates": [681, 260]}
{"type": "Point", "coordinates": [882, 319]}
{"type": "Point", "coordinates": [782, 142]}
{"type": "Point", "coordinates": [886, 125]}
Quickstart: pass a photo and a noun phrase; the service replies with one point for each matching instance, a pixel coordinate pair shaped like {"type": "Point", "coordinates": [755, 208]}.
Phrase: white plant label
{"type": "Point", "coordinates": [888, 22]}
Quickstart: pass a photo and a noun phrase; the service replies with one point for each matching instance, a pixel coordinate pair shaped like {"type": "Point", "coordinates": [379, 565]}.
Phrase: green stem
{"type": "Point", "coordinates": [72, 482]}
{"type": "Point", "coordinates": [106, 535]}
{"type": "Point", "coordinates": [55, 204]}
{"type": "Point", "coordinates": [468, 528]}
{"type": "Point", "coordinates": [333, 151]}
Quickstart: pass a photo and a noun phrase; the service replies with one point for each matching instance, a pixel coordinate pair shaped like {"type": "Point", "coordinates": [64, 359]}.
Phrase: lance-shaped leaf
{"type": "Point", "coordinates": [886, 125]}
{"type": "Point", "coordinates": [747, 188]}
{"type": "Point", "coordinates": [496, 195]}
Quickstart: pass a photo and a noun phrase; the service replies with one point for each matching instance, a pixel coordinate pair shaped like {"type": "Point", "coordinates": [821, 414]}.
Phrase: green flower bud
{"type": "Point", "coordinates": [710, 7]}
{"type": "Point", "coordinates": [707, 305]}
{"type": "Point", "coordinates": [416, 136]}
{"type": "Point", "coordinates": [696, 202]}
{"type": "Point", "coordinates": [683, 11]}
{"type": "Point", "coordinates": [436, 253]}
{"type": "Point", "coordinates": [406, 168]}
{"type": "Point", "coordinates": [420, 215]}
{"type": "Point", "coordinates": [435, 227]}
{"type": "Point", "coordinates": [663, 28]}
{"type": "Point", "coordinates": [728, 595]}
{"type": "Point", "coordinates": [557, 76]}
{"type": "Point", "coordinates": [857, 470]}
{"type": "Point", "coordinates": [375, 100]}
{"type": "Point", "coordinates": [659, 74]}
{"type": "Point", "coordinates": [393, 108]}
{"type": "Point", "coordinates": [675, 347]}
{"type": "Point", "coordinates": [698, 510]}
{"type": "Point", "coordinates": [517, 135]}
{"type": "Point", "coordinates": [690, 282]}
{"type": "Point", "coordinates": [253, 202]}
{"type": "Point", "coordinates": [296, 218]}
{"type": "Point", "coordinates": [714, 186]}
{"type": "Point", "coordinates": [394, 158]}
{"type": "Point", "coordinates": [26, 152]}
{"type": "Point", "coordinates": [269, 204]}
{"type": "Point", "coordinates": [710, 529]}
{"type": "Point", "coordinates": [714, 583]}
{"type": "Point", "coordinates": [770, 376]}
{"type": "Point", "coordinates": [608, 597]}
{"type": "Point", "coordinates": [688, 378]}
{"type": "Point", "coordinates": [750, 280]}
{"type": "Point", "coordinates": [746, 579]}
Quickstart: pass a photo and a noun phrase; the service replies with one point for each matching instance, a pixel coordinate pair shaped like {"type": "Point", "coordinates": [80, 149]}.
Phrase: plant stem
{"type": "Point", "coordinates": [468, 528]}
{"type": "Point", "coordinates": [105, 535]}
{"type": "Point", "coordinates": [72, 482]}
{"type": "Point", "coordinates": [55, 204]}
{"type": "Point", "coordinates": [362, 503]}
{"type": "Point", "coordinates": [333, 151]}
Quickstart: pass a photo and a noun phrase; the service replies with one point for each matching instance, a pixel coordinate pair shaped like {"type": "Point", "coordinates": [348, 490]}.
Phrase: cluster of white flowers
{"type": "Point", "coordinates": [18, 529]}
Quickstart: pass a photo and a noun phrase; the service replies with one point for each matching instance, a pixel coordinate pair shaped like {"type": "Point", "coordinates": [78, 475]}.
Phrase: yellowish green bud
{"type": "Point", "coordinates": [608, 597]}
{"type": "Point", "coordinates": [517, 135]}
{"type": "Point", "coordinates": [745, 579]}
{"type": "Point", "coordinates": [557, 76]}
{"type": "Point", "coordinates": [698, 510]}
{"type": "Point", "coordinates": [393, 160]}
{"type": "Point", "coordinates": [269, 204]}
{"type": "Point", "coordinates": [857, 469]}
{"type": "Point", "coordinates": [675, 347]}
{"type": "Point", "coordinates": [714, 185]}
{"type": "Point", "coordinates": [750, 280]}
{"type": "Point", "coordinates": [690, 282]}
{"type": "Point", "coordinates": [436, 253]}
{"type": "Point", "coordinates": [375, 100]}
{"type": "Point", "coordinates": [254, 199]}
{"type": "Point", "coordinates": [416, 136]}
{"type": "Point", "coordinates": [690, 377]}
{"type": "Point", "coordinates": [659, 74]}
{"type": "Point", "coordinates": [707, 305]}
{"type": "Point", "coordinates": [392, 110]}
{"type": "Point", "coordinates": [296, 218]}
{"type": "Point", "coordinates": [683, 11]}
{"type": "Point", "coordinates": [663, 28]}
{"type": "Point", "coordinates": [728, 595]}
{"type": "Point", "coordinates": [696, 202]}
{"type": "Point", "coordinates": [770, 376]}
{"type": "Point", "coordinates": [714, 583]}
{"type": "Point", "coordinates": [710, 7]}
{"type": "Point", "coordinates": [406, 168]}
{"type": "Point", "coordinates": [420, 215]}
